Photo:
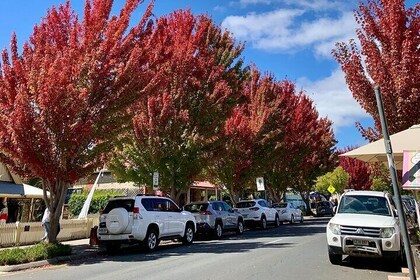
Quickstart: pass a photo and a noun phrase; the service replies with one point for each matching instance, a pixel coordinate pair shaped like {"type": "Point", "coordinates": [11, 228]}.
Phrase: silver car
{"type": "Point", "coordinates": [215, 217]}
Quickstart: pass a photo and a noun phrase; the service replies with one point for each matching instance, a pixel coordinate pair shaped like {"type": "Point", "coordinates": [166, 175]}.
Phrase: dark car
{"type": "Point", "coordinates": [324, 208]}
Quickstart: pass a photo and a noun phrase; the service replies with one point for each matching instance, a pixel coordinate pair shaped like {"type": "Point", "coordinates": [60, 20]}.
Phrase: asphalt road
{"type": "Point", "coordinates": [295, 251]}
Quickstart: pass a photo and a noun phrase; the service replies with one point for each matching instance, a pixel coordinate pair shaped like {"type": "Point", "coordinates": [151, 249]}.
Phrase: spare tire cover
{"type": "Point", "coordinates": [117, 220]}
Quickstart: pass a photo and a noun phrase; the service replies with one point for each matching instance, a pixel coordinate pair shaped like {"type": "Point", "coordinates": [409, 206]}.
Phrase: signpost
{"type": "Point", "coordinates": [155, 181]}
{"type": "Point", "coordinates": [397, 194]}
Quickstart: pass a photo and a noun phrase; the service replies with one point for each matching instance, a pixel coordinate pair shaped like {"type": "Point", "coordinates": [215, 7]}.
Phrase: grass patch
{"type": "Point", "coordinates": [38, 252]}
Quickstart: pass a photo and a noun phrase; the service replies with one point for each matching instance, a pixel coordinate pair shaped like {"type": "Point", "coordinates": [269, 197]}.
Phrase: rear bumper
{"type": "Point", "coordinates": [203, 228]}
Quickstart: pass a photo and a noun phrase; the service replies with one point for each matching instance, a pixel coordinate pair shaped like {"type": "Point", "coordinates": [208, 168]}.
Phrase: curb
{"type": "Point", "coordinates": [58, 260]}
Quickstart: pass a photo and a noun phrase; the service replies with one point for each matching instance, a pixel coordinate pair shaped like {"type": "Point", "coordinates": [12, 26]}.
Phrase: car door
{"type": "Point", "coordinates": [175, 218]}
{"type": "Point", "coordinates": [232, 217]}
{"type": "Point", "coordinates": [154, 207]}
{"type": "Point", "coordinates": [220, 213]}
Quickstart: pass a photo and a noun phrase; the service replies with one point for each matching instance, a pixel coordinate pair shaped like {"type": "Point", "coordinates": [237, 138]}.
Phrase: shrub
{"type": "Point", "coordinates": [99, 201]}
{"type": "Point", "coordinates": [40, 251]}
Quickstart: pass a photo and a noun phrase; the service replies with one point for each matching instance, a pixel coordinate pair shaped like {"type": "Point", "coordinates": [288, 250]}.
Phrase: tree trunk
{"type": "Point", "coordinates": [55, 204]}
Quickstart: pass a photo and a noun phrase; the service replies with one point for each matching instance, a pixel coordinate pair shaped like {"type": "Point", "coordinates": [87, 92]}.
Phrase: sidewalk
{"type": "Point", "coordinates": [80, 250]}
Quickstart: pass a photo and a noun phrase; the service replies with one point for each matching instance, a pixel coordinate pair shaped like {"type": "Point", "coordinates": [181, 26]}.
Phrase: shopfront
{"type": "Point", "coordinates": [21, 202]}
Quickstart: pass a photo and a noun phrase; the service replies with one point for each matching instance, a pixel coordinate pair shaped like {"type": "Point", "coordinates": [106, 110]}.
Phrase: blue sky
{"type": "Point", "coordinates": [290, 38]}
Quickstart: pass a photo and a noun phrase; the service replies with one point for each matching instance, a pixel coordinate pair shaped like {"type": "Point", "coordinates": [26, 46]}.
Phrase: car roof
{"type": "Point", "coordinates": [369, 193]}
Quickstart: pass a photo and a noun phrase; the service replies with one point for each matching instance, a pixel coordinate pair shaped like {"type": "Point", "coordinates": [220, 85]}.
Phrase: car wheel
{"type": "Point", "coordinates": [188, 235]}
{"type": "Point", "coordinates": [151, 240]}
{"type": "Point", "coordinates": [263, 223]}
{"type": "Point", "coordinates": [292, 219]}
{"type": "Point", "coordinates": [218, 230]}
{"type": "Point", "coordinates": [240, 228]}
{"type": "Point", "coordinates": [277, 221]}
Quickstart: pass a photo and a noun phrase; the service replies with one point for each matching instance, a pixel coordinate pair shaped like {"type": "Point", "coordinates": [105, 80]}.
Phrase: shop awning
{"type": "Point", "coordinates": [8, 189]}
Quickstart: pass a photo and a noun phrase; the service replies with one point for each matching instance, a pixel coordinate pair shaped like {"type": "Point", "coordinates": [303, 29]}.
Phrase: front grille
{"type": "Point", "coordinates": [360, 231]}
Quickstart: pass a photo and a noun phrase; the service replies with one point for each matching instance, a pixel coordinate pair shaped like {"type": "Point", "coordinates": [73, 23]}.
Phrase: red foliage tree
{"type": "Point", "coordinates": [177, 125]}
{"type": "Point", "coordinates": [253, 133]}
{"type": "Point", "coordinates": [360, 172]}
{"type": "Point", "coordinates": [309, 149]}
{"type": "Point", "coordinates": [390, 58]}
{"type": "Point", "coordinates": [63, 99]}
{"type": "Point", "coordinates": [274, 133]}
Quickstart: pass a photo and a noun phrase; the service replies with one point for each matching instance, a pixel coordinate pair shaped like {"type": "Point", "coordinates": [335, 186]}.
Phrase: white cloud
{"type": "Point", "coordinates": [253, 2]}
{"type": "Point", "coordinates": [333, 99]}
{"type": "Point", "coordinates": [316, 5]}
{"type": "Point", "coordinates": [255, 27]}
{"type": "Point", "coordinates": [279, 31]}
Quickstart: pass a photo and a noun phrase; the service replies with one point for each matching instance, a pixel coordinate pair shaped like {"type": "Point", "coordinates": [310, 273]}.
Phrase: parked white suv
{"type": "Point", "coordinates": [258, 212]}
{"type": "Point", "coordinates": [143, 219]}
{"type": "Point", "coordinates": [365, 225]}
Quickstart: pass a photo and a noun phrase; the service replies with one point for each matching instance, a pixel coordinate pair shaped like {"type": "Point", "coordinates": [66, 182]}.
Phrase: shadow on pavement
{"type": "Point", "coordinates": [371, 264]}
{"type": "Point", "coordinates": [230, 243]}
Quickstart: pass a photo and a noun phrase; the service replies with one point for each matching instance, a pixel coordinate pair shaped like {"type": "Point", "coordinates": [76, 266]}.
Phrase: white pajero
{"type": "Point", "coordinates": [365, 225]}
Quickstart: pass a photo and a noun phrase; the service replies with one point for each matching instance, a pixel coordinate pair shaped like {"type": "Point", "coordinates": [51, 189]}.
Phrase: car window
{"type": "Point", "coordinates": [262, 203]}
{"type": "Point", "coordinates": [245, 204]}
{"type": "Point", "coordinates": [155, 204]}
{"type": "Point", "coordinates": [217, 206]}
{"type": "Point", "coordinates": [225, 206]}
{"type": "Point", "coordinates": [172, 207]}
{"type": "Point", "coordinates": [127, 204]}
{"type": "Point", "coordinates": [196, 207]}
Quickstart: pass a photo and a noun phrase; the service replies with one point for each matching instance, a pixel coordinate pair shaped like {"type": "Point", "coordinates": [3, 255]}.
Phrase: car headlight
{"type": "Point", "coordinates": [386, 232]}
{"type": "Point", "coordinates": [334, 228]}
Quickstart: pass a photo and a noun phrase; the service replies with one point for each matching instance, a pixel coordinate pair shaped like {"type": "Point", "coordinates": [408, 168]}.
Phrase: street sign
{"type": "Point", "coordinates": [260, 184]}
{"type": "Point", "coordinates": [331, 189]}
{"type": "Point", "coordinates": [155, 181]}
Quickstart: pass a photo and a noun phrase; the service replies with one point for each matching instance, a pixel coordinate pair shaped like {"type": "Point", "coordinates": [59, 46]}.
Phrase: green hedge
{"type": "Point", "coordinates": [40, 251]}
{"type": "Point", "coordinates": [99, 201]}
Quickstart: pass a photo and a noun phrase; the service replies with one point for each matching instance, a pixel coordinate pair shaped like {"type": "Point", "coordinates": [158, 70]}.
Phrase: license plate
{"type": "Point", "coordinates": [361, 242]}
{"type": "Point", "coordinates": [102, 230]}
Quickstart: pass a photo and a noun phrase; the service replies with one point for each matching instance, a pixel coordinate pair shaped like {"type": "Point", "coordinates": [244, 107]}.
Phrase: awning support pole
{"type": "Point", "coordinates": [392, 170]}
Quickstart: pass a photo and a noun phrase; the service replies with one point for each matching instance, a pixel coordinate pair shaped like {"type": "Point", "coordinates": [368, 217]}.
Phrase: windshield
{"type": "Point", "coordinates": [245, 204]}
{"type": "Point", "coordinates": [280, 205]}
{"type": "Point", "coordinates": [360, 204]}
{"type": "Point", "coordinates": [195, 208]}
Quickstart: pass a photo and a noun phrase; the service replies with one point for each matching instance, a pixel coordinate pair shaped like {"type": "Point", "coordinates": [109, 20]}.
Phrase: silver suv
{"type": "Point", "coordinates": [215, 217]}
{"type": "Point", "coordinates": [143, 219]}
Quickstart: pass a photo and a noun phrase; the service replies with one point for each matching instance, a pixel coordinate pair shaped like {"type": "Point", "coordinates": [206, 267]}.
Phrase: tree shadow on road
{"type": "Point", "coordinates": [230, 243]}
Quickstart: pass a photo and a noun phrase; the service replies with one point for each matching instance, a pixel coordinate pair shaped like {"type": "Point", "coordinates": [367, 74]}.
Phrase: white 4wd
{"type": "Point", "coordinates": [258, 212]}
{"type": "Point", "coordinates": [365, 225]}
{"type": "Point", "coordinates": [143, 219]}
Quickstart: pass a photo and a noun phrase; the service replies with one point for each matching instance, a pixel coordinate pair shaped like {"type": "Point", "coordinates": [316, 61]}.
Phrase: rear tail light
{"type": "Point", "coordinates": [101, 212]}
{"type": "Point", "coordinates": [136, 210]}
{"type": "Point", "coordinates": [254, 208]}
{"type": "Point", "coordinates": [206, 212]}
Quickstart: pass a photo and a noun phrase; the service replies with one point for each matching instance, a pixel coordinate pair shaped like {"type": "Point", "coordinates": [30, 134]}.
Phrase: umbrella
{"type": "Point", "coordinates": [12, 190]}
{"type": "Point", "coordinates": [408, 139]}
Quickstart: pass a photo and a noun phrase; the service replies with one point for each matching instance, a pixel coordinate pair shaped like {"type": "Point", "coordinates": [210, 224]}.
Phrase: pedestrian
{"type": "Point", "coordinates": [46, 223]}
{"type": "Point", "coordinates": [4, 212]}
